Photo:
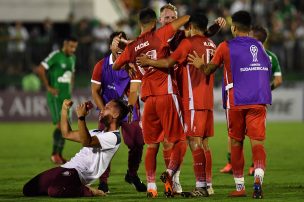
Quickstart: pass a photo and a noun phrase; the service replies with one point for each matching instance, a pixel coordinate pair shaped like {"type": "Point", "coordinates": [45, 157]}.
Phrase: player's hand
{"type": "Point", "coordinates": [67, 104]}
{"type": "Point", "coordinates": [143, 60]}
{"type": "Point", "coordinates": [52, 90]}
{"type": "Point", "coordinates": [195, 60]}
{"type": "Point", "coordinates": [81, 110]}
{"type": "Point", "coordinates": [115, 43]}
{"type": "Point", "coordinates": [220, 21]}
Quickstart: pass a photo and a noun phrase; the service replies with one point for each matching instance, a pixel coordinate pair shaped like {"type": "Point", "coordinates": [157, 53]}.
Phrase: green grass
{"type": "Point", "coordinates": [25, 151]}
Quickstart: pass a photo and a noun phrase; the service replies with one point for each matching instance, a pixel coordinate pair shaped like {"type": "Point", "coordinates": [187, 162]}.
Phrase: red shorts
{"type": "Point", "coordinates": [249, 121]}
{"type": "Point", "coordinates": [199, 123]}
{"type": "Point", "coordinates": [162, 119]}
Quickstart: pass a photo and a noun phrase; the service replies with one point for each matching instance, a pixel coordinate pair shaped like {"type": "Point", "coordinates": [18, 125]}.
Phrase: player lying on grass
{"type": "Point", "coordinates": [73, 178]}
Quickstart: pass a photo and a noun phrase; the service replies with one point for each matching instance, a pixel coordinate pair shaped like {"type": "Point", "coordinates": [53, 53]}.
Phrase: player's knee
{"type": "Point", "coordinates": [194, 143]}
{"type": "Point", "coordinates": [167, 145]}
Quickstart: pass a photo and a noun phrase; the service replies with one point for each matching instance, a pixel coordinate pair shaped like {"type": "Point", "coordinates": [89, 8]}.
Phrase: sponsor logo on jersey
{"type": "Point", "coordinates": [65, 78]}
{"type": "Point", "coordinates": [142, 45]}
{"type": "Point", "coordinates": [209, 43]}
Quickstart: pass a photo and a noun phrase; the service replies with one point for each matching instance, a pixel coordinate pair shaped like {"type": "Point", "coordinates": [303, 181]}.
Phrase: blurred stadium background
{"type": "Point", "coordinates": [30, 30]}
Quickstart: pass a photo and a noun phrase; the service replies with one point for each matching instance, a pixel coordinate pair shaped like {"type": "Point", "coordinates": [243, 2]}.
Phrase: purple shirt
{"type": "Point", "coordinates": [251, 71]}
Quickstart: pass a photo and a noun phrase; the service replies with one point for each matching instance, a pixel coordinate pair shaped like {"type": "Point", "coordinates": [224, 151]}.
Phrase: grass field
{"type": "Point", "coordinates": [25, 151]}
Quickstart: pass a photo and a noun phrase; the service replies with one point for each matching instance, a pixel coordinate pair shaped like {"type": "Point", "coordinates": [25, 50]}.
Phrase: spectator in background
{"type": "Point", "coordinates": [238, 5]}
{"type": "Point", "coordinates": [18, 36]}
{"type": "Point", "coordinates": [101, 34]}
{"type": "Point", "coordinates": [4, 36]}
{"type": "Point", "coordinates": [123, 25]}
{"type": "Point", "coordinates": [42, 41]}
{"type": "Point", "coordinates": [85, 39]}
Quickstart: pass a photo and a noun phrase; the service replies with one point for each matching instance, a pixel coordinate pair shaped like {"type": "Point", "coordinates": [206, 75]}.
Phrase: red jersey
{"type": "Point", "coordinates": [197, 88]}
{"type": "Point", "coordinates": [222, 56]}
{"type": "Point", "coordinates": [155, 81]}
{"type": "Point", "coordinates": [96, 75]}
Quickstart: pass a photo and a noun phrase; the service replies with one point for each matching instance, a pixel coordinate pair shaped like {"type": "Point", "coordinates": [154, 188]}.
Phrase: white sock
{"type": "Point", "coordinates": [259, 173]}
{"type": "Point", "coordinates": [209, 184]}
{"type": "Point", "coordinates": [170, 172]}
{"type": "Point", "coordinates": [175, 177]}
{"type": "Point", "coordinates": [151, 185]}
{"type": "Point", "coordinates": [239, 183]}
{"type": "Point", "coordinates": [200, 184]}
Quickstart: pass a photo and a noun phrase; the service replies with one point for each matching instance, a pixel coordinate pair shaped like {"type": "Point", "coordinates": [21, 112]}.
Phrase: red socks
{"type": "Point", "coordinates": [208, 168]}
{"type": "Point", "coordinates": [167, 155]}
{"type": "Point", "coordinates": [177, 155]}
{"type": "Point", "coordinates": [150, 163]}
{"type": "Point", "coordinates": [237, 161]}
{"type": "Point", "coordinates": [198, 164]}
{"type": "Point", "coordinates": [259, 156]}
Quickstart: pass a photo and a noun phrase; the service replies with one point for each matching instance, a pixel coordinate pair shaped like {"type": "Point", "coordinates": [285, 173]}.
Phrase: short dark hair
{"type": "Point", "coordinates": [123, 109]}
{"type": "Point", "coordinates": [260, 33]}
{"type": "Point", "coordinates": [114, 34]}
{"type": "Point", "coordinates": [199, 19]}
{"type": "Point", "coordinates": [147, 15]}
{"type": "Point", "coordinates": [242, 20]}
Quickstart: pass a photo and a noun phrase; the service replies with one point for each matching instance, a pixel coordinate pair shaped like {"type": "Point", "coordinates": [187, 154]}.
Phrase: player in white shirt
{"type": "Point", "coordinates": [73, 178]}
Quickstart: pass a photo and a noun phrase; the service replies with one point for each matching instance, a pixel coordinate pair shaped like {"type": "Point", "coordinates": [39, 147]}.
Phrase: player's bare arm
{"type": "Point", "coordinates": [276, 82]}
{"type": "Point", "coordinates": [179, 22]}
{"type": "Point", "coordinates": [95, 90]}
{"type": "Point", "coordinates": [76, 135]}
{"type": "Point", "coordinates": [72, 81]}
{"type": "Point", "coordinates": [144, 61]}
{"type": "Point", "coordinates": [134, 90]}
{"type": "Point", "coordinates": [219, 23]}
{"type": "Point", "coordinates": [133, 97]}
{"type": "Point", "coordinates": [42, 74]}
{"type": "Point", "coordinates": [85, 138]}
{"type": "Point", "coordinates": [199, 62]}
{"type": "Point", "coordinates": [66, 129]}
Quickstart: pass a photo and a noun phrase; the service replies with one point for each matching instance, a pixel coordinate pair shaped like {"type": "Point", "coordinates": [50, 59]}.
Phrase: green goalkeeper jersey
{"type": "Point", "coordinates": [60, 69]}
{"type": "Point", "coordinates": [276, 69]}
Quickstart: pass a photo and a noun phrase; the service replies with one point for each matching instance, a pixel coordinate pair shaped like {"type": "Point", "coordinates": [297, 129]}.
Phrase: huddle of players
{"type": "Point", "coordinates": [177, 90]}
{"type": "Point", "coordinates": [171, 68]}
{"type": "Point", "coordinates": [162, 120]}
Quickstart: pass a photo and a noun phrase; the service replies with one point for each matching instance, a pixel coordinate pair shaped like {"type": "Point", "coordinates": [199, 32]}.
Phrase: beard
{"type": "Point", "coordinates": [106, 120]}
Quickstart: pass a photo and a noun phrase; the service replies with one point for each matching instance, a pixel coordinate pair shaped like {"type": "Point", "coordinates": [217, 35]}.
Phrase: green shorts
{"type": "Point", "coordinates": [55, 104]}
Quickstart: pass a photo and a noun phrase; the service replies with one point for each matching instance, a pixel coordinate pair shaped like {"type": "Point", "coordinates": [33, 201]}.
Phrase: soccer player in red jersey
{"type": "Point", "coordinates": [197, 96]}
{"type": "Point", "coordinates": [161, 120]}
{"type": "Point", "coordinates": [168, 13]}
{"type": "Point", "coordinates": [246, 91]}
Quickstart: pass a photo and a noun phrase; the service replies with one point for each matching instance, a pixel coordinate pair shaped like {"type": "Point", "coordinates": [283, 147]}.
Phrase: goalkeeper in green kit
{"type": "Point", "coordinates": [57, 74]}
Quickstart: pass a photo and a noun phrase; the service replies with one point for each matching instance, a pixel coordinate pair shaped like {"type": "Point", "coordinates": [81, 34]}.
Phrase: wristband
{"type": "Point", "coordinates": [81, 118]}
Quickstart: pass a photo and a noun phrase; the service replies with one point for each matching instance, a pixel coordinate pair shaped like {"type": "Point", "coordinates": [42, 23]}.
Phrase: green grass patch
{"type": "Point", "coordinates": [26, 147]}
